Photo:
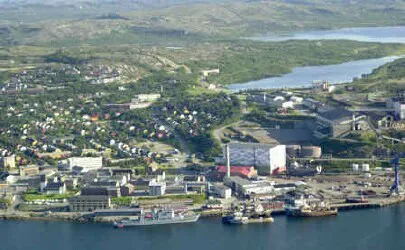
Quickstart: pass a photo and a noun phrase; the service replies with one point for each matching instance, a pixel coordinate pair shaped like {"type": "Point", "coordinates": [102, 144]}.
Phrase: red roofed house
{"type": "Point", "coordinates": [241, 171]}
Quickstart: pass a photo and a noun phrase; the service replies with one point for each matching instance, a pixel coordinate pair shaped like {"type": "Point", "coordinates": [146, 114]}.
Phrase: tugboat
{"type": "Point", "coordinates": [253, 214]}
{"type": "Point", "coordinates": [158, 217]}
{"type": "Point", "coordinates": [235, 218]}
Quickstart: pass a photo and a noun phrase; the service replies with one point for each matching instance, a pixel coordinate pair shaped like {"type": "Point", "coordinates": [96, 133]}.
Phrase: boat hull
{"type": "Point", "coordinates": [298, 213]}
{"type": "Point", "coordinates": [188, 219]}
{"type": "Point", "coordinates": [244, 220]}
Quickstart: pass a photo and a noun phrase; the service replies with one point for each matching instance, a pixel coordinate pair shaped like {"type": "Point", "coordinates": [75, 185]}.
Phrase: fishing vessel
{"type": "Point", "coordinates": [245, 215]}
{"type": "Point", "coordinates": [158, 217]}
{"type": "Point", "coordinates": [308, 211]}
{"type": "Point", "coordinates": [303, 208]}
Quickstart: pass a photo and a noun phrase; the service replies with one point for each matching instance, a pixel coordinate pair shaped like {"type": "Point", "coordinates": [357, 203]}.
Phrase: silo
{"type": "Point", "coordinates": [311, 152]}
{"type": "Point", "coordinates": [355, 167]}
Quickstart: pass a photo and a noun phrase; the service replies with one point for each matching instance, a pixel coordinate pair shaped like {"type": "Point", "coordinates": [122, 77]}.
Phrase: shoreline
{"type": "Point", "coordinates": [76, 218]}
{"type": "Point", "coordinates": [268, 84]}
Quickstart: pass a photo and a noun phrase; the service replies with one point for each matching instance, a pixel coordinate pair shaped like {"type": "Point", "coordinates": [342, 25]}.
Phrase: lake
{"type": "Point", "coordinates": [304, 76]}
{"type": "Point", "coordinates": [338, 73]}
{"type": "Point", "coordinates": [371, 229]}
{"type": "Point", "coordinates": [369, 34]}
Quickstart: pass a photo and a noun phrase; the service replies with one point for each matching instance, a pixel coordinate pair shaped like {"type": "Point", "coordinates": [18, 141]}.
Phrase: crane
{"type": "Point", "coordinates": [395, 188]}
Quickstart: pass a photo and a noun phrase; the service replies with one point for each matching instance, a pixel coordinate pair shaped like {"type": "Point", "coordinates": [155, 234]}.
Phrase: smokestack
{"type": "Point", "coordinates": [353, 122]}
{"type": "Point", "coordinates": [228, 162]}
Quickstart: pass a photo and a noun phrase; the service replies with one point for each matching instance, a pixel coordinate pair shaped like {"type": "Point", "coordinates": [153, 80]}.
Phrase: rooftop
{"type": "Point", "coordinates": [238, 180]}
{"type": "Point", "coordinates": [54, 185]}
{"type": "Point", "coordinates": [250, 145]}
{"type": "Point", "coordinates": [336, 114]}
{"type": "Point", "coordinates": [242, 170]}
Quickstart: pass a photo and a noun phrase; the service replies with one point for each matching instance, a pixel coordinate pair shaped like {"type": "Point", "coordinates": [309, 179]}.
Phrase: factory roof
{"type": "Point", "coordinates": [240, 170]}
{"type": "Point", "coordinates": [336, 114]}
{"type": "Point", "coordinates": [94, 191]}
{"type": "Point", "coordinates": [250, 145]}
{"type": "Point", "coordinates": [239, 181]}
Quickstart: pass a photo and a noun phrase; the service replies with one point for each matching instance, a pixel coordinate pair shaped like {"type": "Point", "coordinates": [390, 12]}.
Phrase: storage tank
{"type": "Point", "coordinates": [365, 167]}
{"type": "Point", "coordinates": [355, 167]}
{"type": "Point", "coordinates": [311, 151]}
{"type": "Point", "coordinates": [293, 150]}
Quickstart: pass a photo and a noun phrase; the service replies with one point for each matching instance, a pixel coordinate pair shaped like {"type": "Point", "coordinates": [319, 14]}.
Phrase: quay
{"type": "Point", "coordinates": [102, 217]}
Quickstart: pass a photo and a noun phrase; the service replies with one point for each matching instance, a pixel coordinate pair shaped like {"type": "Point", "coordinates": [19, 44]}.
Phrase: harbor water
{"type": "Point", "coordinates": [369, 229]}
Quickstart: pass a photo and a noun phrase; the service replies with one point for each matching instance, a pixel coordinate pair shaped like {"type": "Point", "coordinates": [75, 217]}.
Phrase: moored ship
{"type": "Point", "coordinates": [255, 214]}
{"type": "Point", "coordinates": [307, 211]}
{"type": "Point", "coordinates": [158, 217]}
{"type": "Point", "coordinates": [235, 218]}
{"type": "Point", "coordinates": [303, 208]}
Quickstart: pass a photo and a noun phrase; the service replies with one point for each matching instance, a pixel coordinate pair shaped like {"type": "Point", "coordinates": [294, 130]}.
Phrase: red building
{"type": "Point", "coordinates": [241, 171]}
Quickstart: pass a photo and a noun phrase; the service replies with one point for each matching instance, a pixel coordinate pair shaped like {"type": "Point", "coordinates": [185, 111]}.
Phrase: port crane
{"type": "Point", "coordinates": [395, 188]}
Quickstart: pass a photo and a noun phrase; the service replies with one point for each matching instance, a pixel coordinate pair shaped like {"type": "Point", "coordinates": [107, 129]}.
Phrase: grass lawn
{"type": "Point", "coordinates": [36, 196]}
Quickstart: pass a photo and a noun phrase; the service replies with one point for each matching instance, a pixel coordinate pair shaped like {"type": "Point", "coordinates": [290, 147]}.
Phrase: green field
{"type": "Point", "coordinates": [35, 196]}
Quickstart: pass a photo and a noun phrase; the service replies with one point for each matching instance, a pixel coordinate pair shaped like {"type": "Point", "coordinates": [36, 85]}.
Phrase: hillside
{"type": "Point", "coordinates": [394, 70]}
{"type": "Point", "coordinates": [383, 82]}
{"type": "Point", "coordinates": [134, 22]}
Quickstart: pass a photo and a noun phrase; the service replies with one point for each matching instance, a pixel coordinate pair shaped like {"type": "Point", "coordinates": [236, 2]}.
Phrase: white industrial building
{"type": "Point", "coordinates": [220, 190]}
{"type": "Point", "coordinates": [246, 187]}
{"type": "Point", "coordinates": [265, 157]}
{"type": "Point", "coordinates": [87, 163]}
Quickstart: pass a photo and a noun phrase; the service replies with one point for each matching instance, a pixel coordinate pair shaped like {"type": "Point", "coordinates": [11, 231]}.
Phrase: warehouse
{"type": "Point", "coordinates": [334, 122]}
{"type": "Point", "coordinates": [266, 158]}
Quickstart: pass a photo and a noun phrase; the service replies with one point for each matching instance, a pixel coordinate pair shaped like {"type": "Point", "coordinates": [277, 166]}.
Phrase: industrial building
{"type": "Point", "coordinates": [312, 104]}
{"type": "Point", "coordinates": [86, 203]}
{"type": "Point", "coordinates": [244, 187]}
{"type": "Point", "coordinates": [247, 188]}
{"type": "Point", "coordinates": [219, 190]}
{"type": "Point", "coordinates": [334, 122]}
{"type": "Point", "coordinates": [266, 158]}
{"type": "Point", "coordinates": [90, 199]}
{"type": "Point", "coordinates": [398, 105]}
{"type": "Point", "coordinates": [241, 171]}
